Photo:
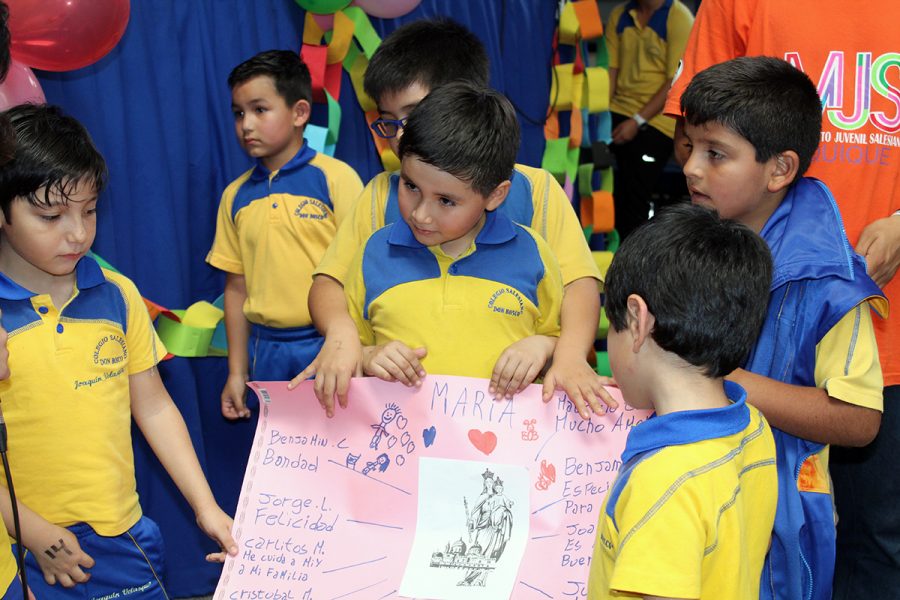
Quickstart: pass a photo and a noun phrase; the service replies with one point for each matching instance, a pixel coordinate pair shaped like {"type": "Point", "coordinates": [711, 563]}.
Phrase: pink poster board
{"type": "Point", "coordinates": [439, 489]}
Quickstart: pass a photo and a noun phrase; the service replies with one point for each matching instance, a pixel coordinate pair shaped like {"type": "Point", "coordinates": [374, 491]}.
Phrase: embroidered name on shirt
{"type": "Point", "coordinates": [507, 301]}
{"type": "Point", "coordinates": [110, 350]}
{"type": "Point", "coordinates": [311, 208]}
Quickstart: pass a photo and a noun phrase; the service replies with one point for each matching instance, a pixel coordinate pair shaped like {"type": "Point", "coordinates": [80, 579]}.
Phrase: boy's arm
{"type": "Point", "coordinates": [163, 426]}
{"type": "Point", "coordinates": [237, 332]}
{"type": "Point", "coordinates": [55, 548]}
{"type": "Point", "coordinates": [580, 306]}
{"type": "Point", "coordinates": [845, 406]}
{"type": "Point", "coordinates": [628, 129]}
{"type": "Point", "coordinates": [341, 355]}
{"type": "Point", "coordinates": [809, 412]}
{"type": "Point", "coordinates": [570, 371]}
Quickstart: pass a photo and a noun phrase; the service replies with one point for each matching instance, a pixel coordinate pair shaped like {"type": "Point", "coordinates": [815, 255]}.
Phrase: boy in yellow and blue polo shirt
{"type": "Point", "coordinates": [83, 357]}
{"type": "Point", "coordinates": [275, 222]}
{"type": "Point", "coordinates": [690, 514]}
{"type": "Point", "coordinates": [456, 287]}
{"type": "Point", "coordinates": [10, 585]}
{"type": "Point", "coordinates": [415, 59]}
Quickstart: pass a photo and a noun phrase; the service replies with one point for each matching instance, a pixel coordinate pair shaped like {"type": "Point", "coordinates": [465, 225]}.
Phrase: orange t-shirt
{"type": "Point", "coordinates": [851, 51]}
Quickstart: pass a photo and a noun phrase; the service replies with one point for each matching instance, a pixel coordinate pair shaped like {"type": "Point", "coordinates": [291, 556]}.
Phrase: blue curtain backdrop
{"type": "Point", "coordinates": [158, 108]}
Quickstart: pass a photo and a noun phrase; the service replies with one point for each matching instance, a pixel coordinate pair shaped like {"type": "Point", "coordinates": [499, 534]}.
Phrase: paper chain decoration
{"type": "Point", "coordinates": [578, 91]}
{"type": "Point", "coordinates": [580, 161]}
{"type": "Point", "coordinates": [348, 45]}
{"type": "Point", "coordinates": [198, 330]}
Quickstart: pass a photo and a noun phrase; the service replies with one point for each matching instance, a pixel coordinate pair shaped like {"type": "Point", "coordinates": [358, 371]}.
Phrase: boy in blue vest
{"type": "Point", "coordinates": [690, 513]}
{"type": "Point", "coordinates": [82, 358]}
{"type": "Point", "coordinates": [275, 222]}
{"type": "Point", "coordinates": [411, 62]}
{"type": "Point", "coordinates": [454, 283]}
{"type": "Point", "coordinates": [753, 125]}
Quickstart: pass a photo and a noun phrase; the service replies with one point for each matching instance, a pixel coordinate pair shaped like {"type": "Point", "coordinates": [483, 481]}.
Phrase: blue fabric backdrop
{"type": "Point", "coordinates": [159, 109]}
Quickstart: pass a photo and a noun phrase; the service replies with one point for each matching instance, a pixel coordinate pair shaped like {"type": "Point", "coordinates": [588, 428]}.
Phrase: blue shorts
{"type": "Point", "coordinates": [280, 354]}
{"type": "Point", "coordinates": [126, 566]}
{"type": "Point", "coordinates": [14, 591]}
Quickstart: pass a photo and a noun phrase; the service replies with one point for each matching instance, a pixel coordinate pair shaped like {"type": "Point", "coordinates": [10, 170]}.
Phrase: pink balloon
{"type": "Point", "coordinates": [326, 22]}
{"type": "Point", "coordinates": [386, 9]}
{"type": "Point", "coordinates": [20, 87]}
{"type": "Point", "coordinates": [63, 35]}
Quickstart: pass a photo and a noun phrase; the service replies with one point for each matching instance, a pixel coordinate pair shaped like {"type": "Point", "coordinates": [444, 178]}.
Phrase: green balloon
{"type": "Point", "coordinates": [323, 7]}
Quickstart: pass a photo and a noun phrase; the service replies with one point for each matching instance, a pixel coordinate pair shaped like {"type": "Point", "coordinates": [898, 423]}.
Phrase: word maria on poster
{"type": "Point", "coordinates": [431, 492]}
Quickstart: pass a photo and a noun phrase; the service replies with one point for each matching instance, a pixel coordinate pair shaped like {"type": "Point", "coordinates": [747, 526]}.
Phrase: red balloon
{"type": "Point", "coordinates": [63, 35]}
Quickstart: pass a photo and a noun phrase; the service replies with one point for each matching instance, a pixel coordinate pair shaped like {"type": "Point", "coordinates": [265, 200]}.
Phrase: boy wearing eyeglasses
{"type": "Point", "coordinates": [414, 60]}
{"type": "Point", "coordinates": [275, 222]}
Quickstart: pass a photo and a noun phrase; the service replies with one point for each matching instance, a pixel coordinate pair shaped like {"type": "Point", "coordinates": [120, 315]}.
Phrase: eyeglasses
{"type": "Point", "coordinates": [388, 128]}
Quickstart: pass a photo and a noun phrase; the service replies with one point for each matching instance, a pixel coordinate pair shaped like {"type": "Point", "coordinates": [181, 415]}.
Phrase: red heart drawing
{"type": "Point", "coordinates": [485, 441]}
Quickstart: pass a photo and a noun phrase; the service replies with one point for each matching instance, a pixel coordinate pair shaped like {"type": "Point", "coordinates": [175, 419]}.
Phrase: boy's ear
{"type": "Point", "coordinates": [786, 166]}
{"type": "Point", "coordinates": [302, 111]}
{"type": "Point", "coordinates": [640, 321]}
{"type": "Point", "coordinates": [499, 194]}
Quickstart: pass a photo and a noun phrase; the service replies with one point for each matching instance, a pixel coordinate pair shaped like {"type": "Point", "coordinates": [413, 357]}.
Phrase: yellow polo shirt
{"type": "Point", "coordinates": [273, 228]}
{"type": "Point", "coordinates": [67, 401]}
{"type": "Point", "coordinates": [646, 56]}
{"type": "Point", "coordinates": [465, 311]}
{"type": "Point", "coordinates": [691, 512]}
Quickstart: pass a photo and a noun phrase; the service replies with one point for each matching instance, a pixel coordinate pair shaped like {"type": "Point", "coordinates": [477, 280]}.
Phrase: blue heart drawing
{"type": "Point", "coordinates": [428, 435]}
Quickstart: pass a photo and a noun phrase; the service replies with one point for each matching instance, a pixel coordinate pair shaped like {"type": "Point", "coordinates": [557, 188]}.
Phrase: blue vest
{"type": "Point", "coordinates": [817, 279]}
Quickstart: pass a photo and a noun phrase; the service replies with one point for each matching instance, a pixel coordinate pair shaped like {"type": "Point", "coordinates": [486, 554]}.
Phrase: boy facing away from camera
{"type": "Point", "coordinates": [275, 222]}
{"type": "Point", "coordinates": [414, 60]}
{"type": "Point", "coordinates": [690, 513]}
{"type": "Point", "coordinates": [752, 126]}
{"type": "Point", "coordinates": [455, 287]}
{"type": "Point", "coordinates": [82, 358]}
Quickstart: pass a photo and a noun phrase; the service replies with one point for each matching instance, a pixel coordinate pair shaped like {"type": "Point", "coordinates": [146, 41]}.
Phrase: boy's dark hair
{"type": "Point", "coordinates": [468, 131]}
{"type": "Point", "coordinates": [765, 100]}
{"type": "Point", "coordinates": [705, 280]}
{"type": "Point", "coordinates": [285, 67]}
{"type": "Point", "coordinates": [433, 52]}
{"type": "Point", "coordinates": [53, 152]}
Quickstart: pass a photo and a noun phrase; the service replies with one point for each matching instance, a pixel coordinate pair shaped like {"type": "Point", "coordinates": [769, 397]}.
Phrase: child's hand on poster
{"type": "Point", "coordinates": [520, 364]}
{"type": "Point", "coordinates": [394, 361]}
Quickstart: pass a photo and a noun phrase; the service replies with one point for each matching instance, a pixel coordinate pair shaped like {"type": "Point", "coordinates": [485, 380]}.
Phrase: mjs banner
{"type": "Point", "coordinates": [437, 492]}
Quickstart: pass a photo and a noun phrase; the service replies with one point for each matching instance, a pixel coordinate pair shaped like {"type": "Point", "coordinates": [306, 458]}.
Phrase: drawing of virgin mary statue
{"type": "Point", "coordinates": [491, 517]}
{"type": "Point", "coordinates": [499, 527]}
